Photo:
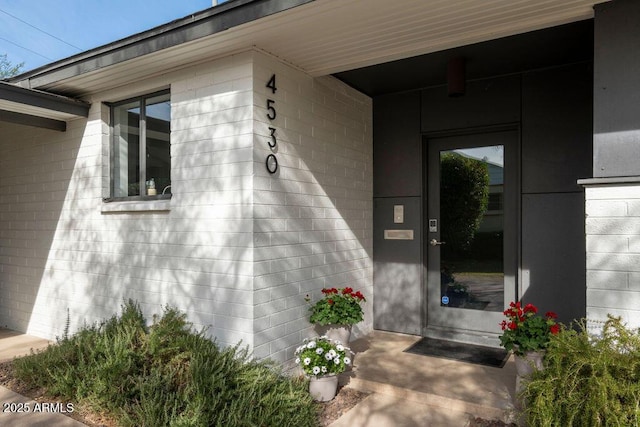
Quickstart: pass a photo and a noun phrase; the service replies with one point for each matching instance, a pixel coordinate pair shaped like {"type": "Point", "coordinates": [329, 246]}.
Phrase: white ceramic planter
{"type": "Point", "coordinates": [340, 333]}
{"type": "Point", "coordinates": [525, 365]}
{"type": "Point", "coordinates": [323, 389]}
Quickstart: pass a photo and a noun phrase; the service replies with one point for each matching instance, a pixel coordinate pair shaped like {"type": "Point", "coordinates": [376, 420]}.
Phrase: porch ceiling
{"type": "Point", "coordinates": [319, 36]}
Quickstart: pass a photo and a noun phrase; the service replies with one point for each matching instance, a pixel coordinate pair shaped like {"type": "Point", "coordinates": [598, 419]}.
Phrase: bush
{"type": "Point", "coordinates": [587, 381]}
{"type": "Point", "coordinates": [464, 195]}
{"type": "Point", "coordinates": [166, 375]}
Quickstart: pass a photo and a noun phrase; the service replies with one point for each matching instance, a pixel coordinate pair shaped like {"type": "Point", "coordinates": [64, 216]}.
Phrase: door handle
{"type": "Point", "coordinates": [434, 242]}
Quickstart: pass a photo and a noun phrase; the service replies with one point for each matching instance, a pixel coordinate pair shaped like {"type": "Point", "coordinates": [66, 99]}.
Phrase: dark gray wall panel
{"type": "Point", "coordinates": [557, 128]}
{"type": "Point", "coordinates": [397, 268]}
{"type": "Point", "coordinates": [397, 159]}
{"type": "Point", "coordinates": [616, 143]}
{"type": "Point", "coordinates": [486, 102]}
{"type": "Point", "coordinates": [553, 253]}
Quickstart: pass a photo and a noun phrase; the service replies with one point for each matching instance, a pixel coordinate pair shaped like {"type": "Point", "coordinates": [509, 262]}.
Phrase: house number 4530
{"type": "Point", "coordinates": [272, 161]}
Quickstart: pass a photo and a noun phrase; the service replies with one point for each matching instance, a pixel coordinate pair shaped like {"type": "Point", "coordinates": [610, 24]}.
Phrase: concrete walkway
{"type": "Point", "coordinates": [14, 407]}
{"type": "Point", "coordinates": [414, 390]}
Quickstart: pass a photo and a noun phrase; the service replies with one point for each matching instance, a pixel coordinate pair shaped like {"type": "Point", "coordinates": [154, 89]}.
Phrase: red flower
{"type": "Point", "coordinates": [554, 329]}
{"type": "Point", "coordinates": [530, 308]}
{"type": "Point", "coordinates": [551, 315]}
{"type": "Point", "coordinates": [346, 291]}
{"type": "Point", "coordinates": [512, 326]}
{"type": "Point", "coordinates": [503, 325]}
{"type": "Point", "coordinates": [330, 301]}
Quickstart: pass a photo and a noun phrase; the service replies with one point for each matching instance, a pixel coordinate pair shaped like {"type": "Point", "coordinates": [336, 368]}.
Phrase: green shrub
{"type": "Point", "coordinates": [166, 375]}
{"type": "Point", "coordinates": [587, 381]}
{"type": "Point", "coordinates": [464, 196]}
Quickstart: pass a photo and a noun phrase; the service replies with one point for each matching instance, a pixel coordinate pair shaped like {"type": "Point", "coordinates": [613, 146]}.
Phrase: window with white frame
{"type": "Point", "coordinates": [141, 151]}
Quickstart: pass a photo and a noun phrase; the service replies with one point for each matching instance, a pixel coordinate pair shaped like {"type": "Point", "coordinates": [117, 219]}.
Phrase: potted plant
{"type": "Point", "coordinates": [321, 360]}
{"type": "Point", "coordinates": [527, 334]}
{"type": "Point", "coordinates": [338, 310]}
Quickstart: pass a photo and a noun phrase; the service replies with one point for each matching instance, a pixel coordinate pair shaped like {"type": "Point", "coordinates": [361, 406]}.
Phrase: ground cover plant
{"type": "Point", "coordinates": [166, 374]}
{"type": "Point", "coordinates": [587, 381]}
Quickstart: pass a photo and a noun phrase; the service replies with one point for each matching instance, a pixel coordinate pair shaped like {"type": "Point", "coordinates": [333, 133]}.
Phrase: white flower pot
{"type": "Point", "coordinates": [340, 333]}
{"type": "Point", "coordinates": [525, 366]}
{"type": "Point", "coordinates": [323, 389]}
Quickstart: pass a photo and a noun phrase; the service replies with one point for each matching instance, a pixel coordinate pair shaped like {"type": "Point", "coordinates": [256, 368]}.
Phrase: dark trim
{"type": "Point", "coordinates": [588, 182]}
{"type": "Point", "coordinates": [40, 99]}
{"type": "Point", "coordinates": [29, 120]}
{"type": "Point", "coordinates": [198, 25]}
{"type": "Point", "coordinates": [501, 127]}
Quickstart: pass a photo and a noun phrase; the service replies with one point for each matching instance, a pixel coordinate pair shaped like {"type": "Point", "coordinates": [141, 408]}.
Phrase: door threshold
{"type": "Point", "coordinates": [465, 336]}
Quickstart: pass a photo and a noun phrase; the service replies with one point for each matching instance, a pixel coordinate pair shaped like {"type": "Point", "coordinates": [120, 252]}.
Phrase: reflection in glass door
{"type": "Point", "coordinates": [472, 227]}
{"type": "Point", "coordinates": [471, 233]}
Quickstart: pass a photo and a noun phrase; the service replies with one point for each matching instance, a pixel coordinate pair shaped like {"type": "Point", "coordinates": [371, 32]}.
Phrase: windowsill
{"type": "Point", "coordinates": [161, 203]}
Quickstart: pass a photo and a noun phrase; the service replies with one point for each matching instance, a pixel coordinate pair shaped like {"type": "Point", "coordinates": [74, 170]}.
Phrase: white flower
{"type": "Point", "coordinates": [307, 361]}
{"type": "Point", "coordinates": [336, 360]}
{"type": "Point", "coordinates": [319, 350]}
{"type": "Point", "coordinates": [324, 369]}
{"type": "Point", "coordinates": [297, 360]}
{"type": "Point", "coordinates": [340, 347]}
{"type": "Point", "coordinates": [328, 356]}
{"type": "Point", "coordinates": [311, 344]}
{"type": "Point", "coordinates": [333, 353]}
{"type": "Point", "coordinates": [347, 361]}
{"type": "Point", "coordinates": [316, 370]}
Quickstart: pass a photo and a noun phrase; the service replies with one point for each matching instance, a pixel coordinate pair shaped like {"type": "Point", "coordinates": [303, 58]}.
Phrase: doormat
{"type": "Point", "coordinates": [469, 353]}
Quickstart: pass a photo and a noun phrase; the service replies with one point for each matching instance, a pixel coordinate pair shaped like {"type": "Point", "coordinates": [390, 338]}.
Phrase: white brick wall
{"type": "Point", "coordinates": [313, 224]}
{"type": "Point", "coordinates": [236, 248]}
{"type": "Point", "coordinates": [73, 253]}
{"type": "Point", "coordinates": [613, 252]}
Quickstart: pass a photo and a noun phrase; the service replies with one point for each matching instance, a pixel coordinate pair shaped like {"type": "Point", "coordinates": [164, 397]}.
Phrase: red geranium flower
{"type": "Point", "coordinates": [524, 330]}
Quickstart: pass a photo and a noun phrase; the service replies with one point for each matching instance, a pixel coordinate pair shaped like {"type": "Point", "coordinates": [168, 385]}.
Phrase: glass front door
{"type": "Point", "coordinates": [471, 241]}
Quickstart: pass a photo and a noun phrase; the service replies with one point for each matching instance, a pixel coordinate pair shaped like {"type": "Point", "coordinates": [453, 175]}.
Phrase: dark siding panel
{"type": "Point", "coordinates": [397, 162]}
{"type": "Point", "coordinates": [397, 268]}
{"type": "Point", "coordinates": [617, 89]}
{"type": "Point", "coordinates": [553, 253]}
{"type": "Point", "coordinates": [485, 103]}
{"type": "Point", "coordinates": [557, 129]}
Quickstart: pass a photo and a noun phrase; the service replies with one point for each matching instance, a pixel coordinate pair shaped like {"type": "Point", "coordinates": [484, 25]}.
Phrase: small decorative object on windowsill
{"type": "Point", "coordinates": [527, 334]}
{"type": "Point", "coordinates": [151, 187]}
{"type": "Point", "coordinates": [336, 312]}
{"type": "Point", "coordinates": [321, 360]}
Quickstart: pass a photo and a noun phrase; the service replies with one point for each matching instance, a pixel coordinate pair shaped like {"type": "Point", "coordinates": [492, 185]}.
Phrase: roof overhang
{"type": "Point", "coordinates": [318, 36]}
{"type": "Point", "coordinates": [37, 108]}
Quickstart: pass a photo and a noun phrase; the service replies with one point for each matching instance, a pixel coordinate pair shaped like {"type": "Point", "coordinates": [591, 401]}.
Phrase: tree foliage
{"type": "Point", "coordinates": [7, 69]}
{"type": "Point", "coordinates": [464, 195]}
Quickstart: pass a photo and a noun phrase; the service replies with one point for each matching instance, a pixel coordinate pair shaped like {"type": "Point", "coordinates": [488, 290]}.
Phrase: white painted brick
{"type": "Point", "coordinates": [605, 208]}
{"type": "Point", "coordinates": [612, 192]}
{"type": "Point", "coordinates": [607, 280]}
{"type": "Point", "coordinates": [607, 244]}
{"type": "Point", "coordinates": [607, 226]}
{"type": "Point", "coordinates": [236, 250]}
